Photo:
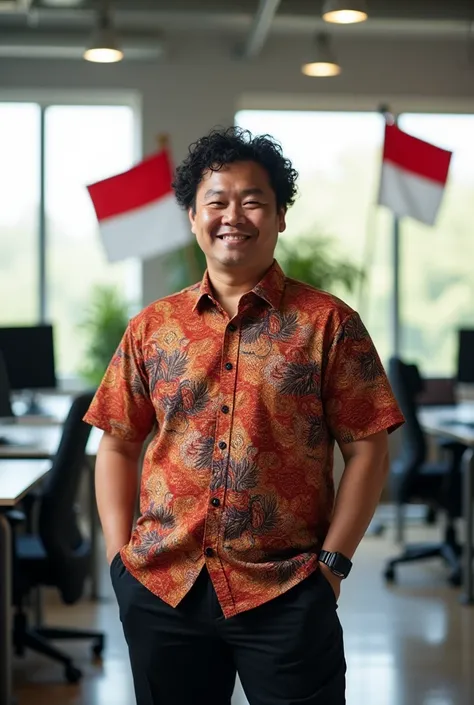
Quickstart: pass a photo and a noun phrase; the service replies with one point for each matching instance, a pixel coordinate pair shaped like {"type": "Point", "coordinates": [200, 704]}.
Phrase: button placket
{"type": "Point", "coordinates": [227, 384]}
{"type": "Point", "coordinates": [222, 437]}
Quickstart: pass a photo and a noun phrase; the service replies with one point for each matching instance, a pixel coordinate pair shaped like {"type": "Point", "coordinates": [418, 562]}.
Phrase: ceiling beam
{"type": "Point", "coordinates": [71, 45]}
{"type": "Point", "coordinates": [236, 24]}
{"type": "Point", "coordinates": [260, 29]}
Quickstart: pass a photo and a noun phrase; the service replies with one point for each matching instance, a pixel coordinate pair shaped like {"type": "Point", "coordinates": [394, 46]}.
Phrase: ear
{"type": "Point", "coordinates": [282, 220]}
{"type": "Point", "coordinates": [192, 219]}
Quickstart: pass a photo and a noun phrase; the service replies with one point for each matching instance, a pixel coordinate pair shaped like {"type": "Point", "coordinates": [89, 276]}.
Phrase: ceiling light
{"type": "Point", "coordinates": [324, 63]}
{"type": "Point", "coordinates": [345, 11]}
{"type": "Point", "coordinates": [103, 47]}
{"type": "Point", "coordinates": [62, 3]}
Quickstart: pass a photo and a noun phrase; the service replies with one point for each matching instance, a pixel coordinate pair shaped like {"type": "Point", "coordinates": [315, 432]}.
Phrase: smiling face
{"type": "Point", "coordinates": [236, 221]}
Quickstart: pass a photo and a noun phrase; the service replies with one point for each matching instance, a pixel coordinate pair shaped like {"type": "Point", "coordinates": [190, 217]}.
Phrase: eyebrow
{"type": "Point", "coordinates": [254, 191]}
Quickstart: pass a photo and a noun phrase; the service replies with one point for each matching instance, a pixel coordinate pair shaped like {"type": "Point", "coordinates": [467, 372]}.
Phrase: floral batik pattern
{"type": "Point", "coordinates": [240, 418]}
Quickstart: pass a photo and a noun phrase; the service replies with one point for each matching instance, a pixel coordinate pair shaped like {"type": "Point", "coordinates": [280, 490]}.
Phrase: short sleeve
{"type": "Point", "coordinates": [357, 396]}
{"type": "Point", "coordinates": [122, 405]}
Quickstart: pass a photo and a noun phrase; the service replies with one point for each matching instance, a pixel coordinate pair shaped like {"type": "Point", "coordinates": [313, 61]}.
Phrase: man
{"type": "Point", "coordinates": [246, 380]}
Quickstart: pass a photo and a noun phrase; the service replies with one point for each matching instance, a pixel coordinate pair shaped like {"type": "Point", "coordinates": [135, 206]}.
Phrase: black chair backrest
{"type": "Point", "coordinates": [67, 549]}
{"type": "Point", "coordinates": [407, 386]}
{"type": "Point", "coordinates": [5, 399]}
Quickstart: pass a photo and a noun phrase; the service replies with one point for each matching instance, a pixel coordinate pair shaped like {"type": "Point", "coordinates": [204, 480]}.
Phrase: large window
{"type": "Point", "coordinates": [437, 270]}
{"type": "Point", "coordinates": [338, 156]}
{"type": "Point", "coordinates": [19, 203]}
{"type": "Point", "coordinates": [82, 144]}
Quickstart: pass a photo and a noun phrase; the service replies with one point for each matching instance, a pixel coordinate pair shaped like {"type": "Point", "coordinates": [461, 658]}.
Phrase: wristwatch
{"type": "Point", "coordinates": [336, 562]}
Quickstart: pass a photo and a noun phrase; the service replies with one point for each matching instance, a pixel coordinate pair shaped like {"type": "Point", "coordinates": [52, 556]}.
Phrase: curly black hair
{"type": "Point", "coordinates": [234, 144]}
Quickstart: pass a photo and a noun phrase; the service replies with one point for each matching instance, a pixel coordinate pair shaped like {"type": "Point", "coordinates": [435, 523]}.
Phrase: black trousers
{"type": "Point", "coordinates": [288, 651]}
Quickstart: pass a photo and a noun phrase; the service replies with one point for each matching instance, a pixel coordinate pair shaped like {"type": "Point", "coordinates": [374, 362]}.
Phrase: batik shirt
{"type": "Point", "coordinates": [241, 416]}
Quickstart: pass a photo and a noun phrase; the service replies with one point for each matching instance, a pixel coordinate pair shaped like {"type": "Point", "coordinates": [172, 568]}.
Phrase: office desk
{"type": "Point", "coordinates": [40, 442]}
{"type": "Point", "coordinates": [16, 479]}
{"type": "Point", "coordinates": [457, 423]}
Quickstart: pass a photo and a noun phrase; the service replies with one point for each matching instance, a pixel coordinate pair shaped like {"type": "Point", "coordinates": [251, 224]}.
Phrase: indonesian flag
{"type": "Point", "coordinates": [137, 211]}
{"type": "Point", "coordinates": [414, 174]}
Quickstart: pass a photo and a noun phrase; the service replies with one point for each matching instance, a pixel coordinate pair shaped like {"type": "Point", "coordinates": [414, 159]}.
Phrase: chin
{"type": "Point", "coordinates": [231, 261]}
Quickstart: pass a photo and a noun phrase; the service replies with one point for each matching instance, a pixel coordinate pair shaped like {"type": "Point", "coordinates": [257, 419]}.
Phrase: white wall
{"type": "Point", "coordinates": [199, 85]}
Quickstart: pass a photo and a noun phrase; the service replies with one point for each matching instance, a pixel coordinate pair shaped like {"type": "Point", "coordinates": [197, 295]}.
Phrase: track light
{"type": "Point", "coordinates": [345, 11]}
{"type": "Point", "coordinates": [103, 47]}
{"type": "Point", "coordinates": [324, 63]}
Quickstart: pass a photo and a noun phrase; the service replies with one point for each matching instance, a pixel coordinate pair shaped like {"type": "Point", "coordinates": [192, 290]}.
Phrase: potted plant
{"type": "Point", "coordinates": [104, 324]}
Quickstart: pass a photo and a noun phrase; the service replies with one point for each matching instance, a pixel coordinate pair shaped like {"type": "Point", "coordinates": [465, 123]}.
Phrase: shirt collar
{"type": "Point", "coordinates": [269, 288]}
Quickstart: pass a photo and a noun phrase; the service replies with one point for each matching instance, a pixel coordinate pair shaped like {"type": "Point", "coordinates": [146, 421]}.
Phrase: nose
{"type": "Point", "coordinates": [233, 214]}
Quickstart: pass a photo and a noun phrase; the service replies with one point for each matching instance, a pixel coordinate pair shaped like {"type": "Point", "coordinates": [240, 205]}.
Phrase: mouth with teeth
{"type": "Point", "coordinates": [233, 238]}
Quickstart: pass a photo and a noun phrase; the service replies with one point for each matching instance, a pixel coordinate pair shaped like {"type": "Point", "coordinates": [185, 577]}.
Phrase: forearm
{"type": "Point", "coordinates": [356, 501]}
{"type": "Point", "coordinates": [116, 482]}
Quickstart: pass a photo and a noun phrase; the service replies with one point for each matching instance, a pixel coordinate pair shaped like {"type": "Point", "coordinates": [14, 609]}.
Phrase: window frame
{"type": "Point", "coordinates": [48, 98]}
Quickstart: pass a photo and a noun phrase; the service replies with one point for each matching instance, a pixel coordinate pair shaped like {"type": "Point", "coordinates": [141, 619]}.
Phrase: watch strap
{"type": "Point", "coordinates": [337, 563]}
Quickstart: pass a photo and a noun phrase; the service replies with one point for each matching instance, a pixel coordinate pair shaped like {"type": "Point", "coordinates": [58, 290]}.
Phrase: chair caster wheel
{"type": "Point", "coordinates": [389, 575]}
{"type": "Point", "coordinates": [98, 647]}
{"type": "Point", "coordinates": [73, 674]}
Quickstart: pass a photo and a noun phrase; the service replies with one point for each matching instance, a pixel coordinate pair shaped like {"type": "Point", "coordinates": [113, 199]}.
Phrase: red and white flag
{"type": "Point", "coordinates": [137, 211]}
{"type": "Point", "coordinates": [414, 175]}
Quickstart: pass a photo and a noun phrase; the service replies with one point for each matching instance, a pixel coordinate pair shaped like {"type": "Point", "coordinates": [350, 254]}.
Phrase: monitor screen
{"type": "Point", "coordinates": [29, 356]}
{"type": "Point", "coordinates": [466, 357]}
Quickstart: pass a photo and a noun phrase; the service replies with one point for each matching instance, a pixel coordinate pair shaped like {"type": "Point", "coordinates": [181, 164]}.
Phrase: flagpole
{"type": "Point", "coordinates": [396, 330]}
{"type": "Point", "coordinates": [395, 307]}
{"type": "Point", "coordinates": [192, 263]}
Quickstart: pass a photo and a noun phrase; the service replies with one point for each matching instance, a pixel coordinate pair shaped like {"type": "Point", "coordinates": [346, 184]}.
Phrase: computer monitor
{"type": "Point", "coordinates": [28, 352]}
{"type": "Point", "coordinates": [465, 373]}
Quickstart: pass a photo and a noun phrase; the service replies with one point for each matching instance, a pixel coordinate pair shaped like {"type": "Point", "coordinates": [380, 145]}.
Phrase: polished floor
{"type": "Point", "coordinates": [408, 644]}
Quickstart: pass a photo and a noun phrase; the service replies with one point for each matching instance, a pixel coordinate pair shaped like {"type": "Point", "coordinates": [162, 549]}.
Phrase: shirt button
{"type": "Point", "coordinates": [225, 409]}
{"type": "Point", "coordinates": [232, 328]}
{"type": "Point", "coordinates": [209, 552]}
{"type": "Point", "coordinates": [222, 445]}
{"type": "Point", "coordinates": [215, 502]}
{"type": "Point", "coordinates": [228, 365]}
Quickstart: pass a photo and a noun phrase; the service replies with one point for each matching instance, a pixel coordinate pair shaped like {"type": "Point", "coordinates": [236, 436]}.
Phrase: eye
{"type": "Point", "coordinates": [216, 203]}
{"type": "Point", "coordinates": [252, 203]}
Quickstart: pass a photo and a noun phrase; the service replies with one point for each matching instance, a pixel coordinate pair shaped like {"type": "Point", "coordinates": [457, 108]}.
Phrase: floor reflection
{"type": "Point", "coordinates": [408, 644]}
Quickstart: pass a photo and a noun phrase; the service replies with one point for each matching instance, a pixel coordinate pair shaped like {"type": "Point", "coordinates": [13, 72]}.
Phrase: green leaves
{"type": "Point", "coordinates": [104, 325]}
{"type": "Point", "coordinates": [312, 260]}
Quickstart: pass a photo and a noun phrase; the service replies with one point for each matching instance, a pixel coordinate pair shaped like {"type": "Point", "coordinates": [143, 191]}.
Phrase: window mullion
{"type": "Point", "coordinates": [42, 303]}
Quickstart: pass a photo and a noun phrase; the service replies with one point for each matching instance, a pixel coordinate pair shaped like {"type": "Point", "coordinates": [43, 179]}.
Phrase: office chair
{"type": "Point", "coordinates": [58, 554]}
{"type": "Point", "coordinates": [5, 400]}
{"type": "Point", "coordinates": [413, 478]}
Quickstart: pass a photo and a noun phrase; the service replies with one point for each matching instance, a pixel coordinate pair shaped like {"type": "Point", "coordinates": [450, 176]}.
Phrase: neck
{"type": "Point", "coordinates": [230, 285]}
